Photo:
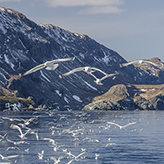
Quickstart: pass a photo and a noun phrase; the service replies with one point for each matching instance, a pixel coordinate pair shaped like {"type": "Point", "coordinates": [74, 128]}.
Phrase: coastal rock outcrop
{"type": "Point", "coordinates": [128, 97]}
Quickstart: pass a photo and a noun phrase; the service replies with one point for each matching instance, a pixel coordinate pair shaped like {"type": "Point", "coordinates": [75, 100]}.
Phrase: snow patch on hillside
{"type": "Point", "coordinates": [77, 98]}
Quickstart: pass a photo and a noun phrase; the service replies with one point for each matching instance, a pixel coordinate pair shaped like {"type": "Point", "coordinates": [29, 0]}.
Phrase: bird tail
{"type": "Point", "coordinates": [121, 65]}
{"type": "Point", "coordinates": [61, 76]}
{"type": "Point", "coordinates": [73, 58]}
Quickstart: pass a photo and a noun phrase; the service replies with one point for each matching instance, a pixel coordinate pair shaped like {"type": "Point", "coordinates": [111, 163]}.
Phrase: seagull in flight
{"type": "Point", "coordinates": [99, 81]}
{"type": "Point", "coordinates": [138, 61]}
{"type": "Point", "coordinates": [92, 107]}
{"type": "Point", "coordinates": [49, 65]}
{"type": "Point", "coordinates": [122, 127]}
{"type": "Point", "coordinates": [89, 71]}
{"type": "Point", "coordinates": [2, 137]}
{"type": "Point", "coordinates": [16, 143]}
{"type": "Point", "coordinates": [86, 69]}
{"type": "Point", "coordinates": [22, 136]}
{"type": "Point", "coordinates": [8, 157]}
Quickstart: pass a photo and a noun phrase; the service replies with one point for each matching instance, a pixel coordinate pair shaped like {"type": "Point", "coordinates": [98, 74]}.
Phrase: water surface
{"type": "Point", "coordinates": [83, 137]}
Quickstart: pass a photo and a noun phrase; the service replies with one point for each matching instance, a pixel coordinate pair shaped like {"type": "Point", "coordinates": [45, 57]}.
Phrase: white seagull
{"type": "Point", "coordinates": [16, 143]}
{"type": "Point", "coordinates": [98, 81]}
{"type": "Point", "coordinates": [122, 127]}
{"type": "Point", "coordinates": [86, 69]}
{"type": "Point", "coordinates": [74, 157]}
{"type": "Point", "coordinates": [2, 137]}
{"type": "Point", "coordinates": [22, 136]}
{"type": "Point", "coordinates": [91, 107]}
{"type": "Point", "coordinates": [138, 61]}
{"type": "Point", "coordinates": [8, 157]}
{"type": "Point", "coordinates": [49, 65]}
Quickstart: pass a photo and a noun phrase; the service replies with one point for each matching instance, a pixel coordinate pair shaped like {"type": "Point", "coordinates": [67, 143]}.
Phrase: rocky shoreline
{"type": "Point", "coordinates": [130, 97]}
{"type": "Point", "coordinates": [119, 97]}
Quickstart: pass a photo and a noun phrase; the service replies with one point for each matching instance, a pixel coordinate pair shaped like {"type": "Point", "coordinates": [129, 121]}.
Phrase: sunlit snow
{"type": "Point", "coordinates": [44, 76]}
{"type": "Point", "coordinates": [77, 98]}
{"type": "Point", "coordinates": [90, 85]}
{"type": "Point", "coordinates": [58, 93]}
{"type": "Point", "coordinates": [66, 100]}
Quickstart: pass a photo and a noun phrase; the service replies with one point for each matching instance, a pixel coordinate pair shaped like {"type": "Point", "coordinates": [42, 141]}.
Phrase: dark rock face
{"type": "Point", "coordinates": [25, 44]}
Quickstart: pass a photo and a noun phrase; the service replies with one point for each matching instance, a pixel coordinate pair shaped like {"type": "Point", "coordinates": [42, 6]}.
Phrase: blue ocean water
{"type": "Point", "coordinates": [82, 137]}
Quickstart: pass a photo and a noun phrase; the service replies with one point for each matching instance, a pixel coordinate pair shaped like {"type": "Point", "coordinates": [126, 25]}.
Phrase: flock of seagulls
{"type": "Point", "coordinates": [52, 65]}
{"type": "Point", "coordinates": [89, 71]}
{"type": "Point", "coordinates": [62, 138]}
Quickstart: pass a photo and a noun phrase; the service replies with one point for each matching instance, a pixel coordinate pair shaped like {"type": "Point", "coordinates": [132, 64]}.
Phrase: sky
{"type": "Point", "coordinates": [132, 28]}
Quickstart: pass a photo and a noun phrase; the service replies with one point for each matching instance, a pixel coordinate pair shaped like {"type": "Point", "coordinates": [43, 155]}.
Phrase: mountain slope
{"type": "Point", "coordinates": [25, 44]}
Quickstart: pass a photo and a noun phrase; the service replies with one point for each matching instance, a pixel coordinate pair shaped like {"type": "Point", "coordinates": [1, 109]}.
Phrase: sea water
{"type": "Point", "coordinates": [82, 137]}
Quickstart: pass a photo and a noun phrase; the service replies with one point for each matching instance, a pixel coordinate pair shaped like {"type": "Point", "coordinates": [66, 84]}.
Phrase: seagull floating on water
{"type": "Point", "coordinates": [86, 69]}
{"type": "Point", "coordinates": [49, 65]}
{"type": "Point", "coordinates": [122, 127]}
{"type": "Point", "coordinates": [138, 61]}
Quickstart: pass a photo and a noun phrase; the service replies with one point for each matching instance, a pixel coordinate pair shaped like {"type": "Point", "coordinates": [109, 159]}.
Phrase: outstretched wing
{"type": "Point", "coordinates": [72, 71]}
{"type": "Point", "coordinates": [61, 60]}
{"type": "Point", "coordinates": [16, 127]}
{"type": "Point", "coordinates": [96, 69]}
{"type": "Point", "coordinates": [93, 76]}
{"type": "Point", "coordinates": [126, 64]}
{"type": "Point", "coordinates": [109, 75]}
{"type": "Point", "coordinates": [12, 156]}
{"type": "Point", "coordinates": [130, 124]}
{"type": "Point", "coordinates": [156, 65]}
{"type": "Point", "coordinates": [112, 123]}
{"type": "Point", "coordinates": [38, 67]}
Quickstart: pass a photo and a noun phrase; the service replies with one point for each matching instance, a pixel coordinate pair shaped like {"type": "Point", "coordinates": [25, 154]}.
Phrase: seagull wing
{"type": "Point", "coordinates": [96, 69]}
{"type": "Point", "coordinates": [16, 127]}
{"type": "Point", "coordinates": [93, 76]}
{"type": "Point", "coordinates": [129, 124]}
{"type": "Point", "coordinates": [109, 75]}
{"type": "Point", "coordinates": [13, 156]}
{"type": "Point", "coordinates": [9, 140]}
{"type": "Point", "coordinates": [125, 64]}
{"type": "Point", "coordinates": [38, 67]}
{"type": "Point", "coordinates": [70, 161]}
{"type": "Point", "coordinates": [156, 65]}
{"type": "Point", "coordinates": [80, 154]}
{"type": "Point", "coordinates": [112, 123]}
{"type": "Point", "coordinates": [61, 60]}
{"type": "Point", "coordinates": [72, 71]}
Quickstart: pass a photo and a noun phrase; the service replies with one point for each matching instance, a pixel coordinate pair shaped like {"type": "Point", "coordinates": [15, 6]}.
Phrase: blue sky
{"type": "Point", "coordinates": [133, 28]}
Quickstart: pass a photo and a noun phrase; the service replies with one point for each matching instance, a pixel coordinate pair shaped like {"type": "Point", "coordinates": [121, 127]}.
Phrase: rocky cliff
{"type": "Point", "coordinates": [25, 44]}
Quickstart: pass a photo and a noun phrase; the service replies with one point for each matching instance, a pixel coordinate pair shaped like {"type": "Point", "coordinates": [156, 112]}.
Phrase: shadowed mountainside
{"type": "Point", "coordinates": [25, 44]}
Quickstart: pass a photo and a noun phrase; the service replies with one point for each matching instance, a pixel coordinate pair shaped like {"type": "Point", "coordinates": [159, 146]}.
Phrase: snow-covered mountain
{"type": "Point", "coordinates": [25, 44]}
